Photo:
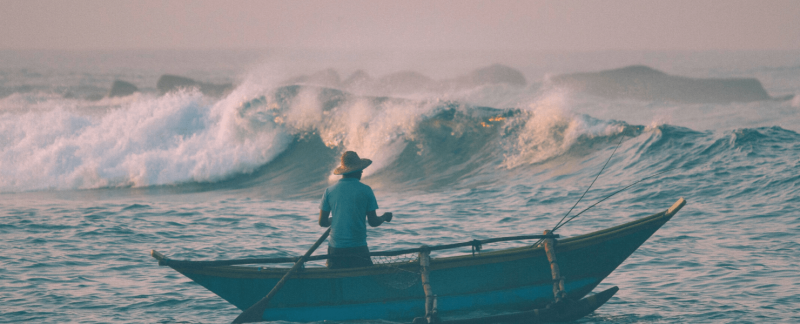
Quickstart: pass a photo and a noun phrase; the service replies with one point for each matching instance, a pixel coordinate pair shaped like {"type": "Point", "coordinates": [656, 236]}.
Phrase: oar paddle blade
{"type": "Point", "coordinates": [249, 317]}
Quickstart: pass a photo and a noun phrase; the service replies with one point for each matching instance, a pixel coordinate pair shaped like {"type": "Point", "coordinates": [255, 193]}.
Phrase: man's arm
{"type": "Point", "coordinates": [375, 221]}
{"type": "Point", "coordinates": [324, 220]}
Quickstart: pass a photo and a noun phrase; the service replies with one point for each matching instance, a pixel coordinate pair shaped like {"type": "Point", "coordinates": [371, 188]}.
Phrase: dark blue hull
{"type": "Point", "coordinates": [516, 279]}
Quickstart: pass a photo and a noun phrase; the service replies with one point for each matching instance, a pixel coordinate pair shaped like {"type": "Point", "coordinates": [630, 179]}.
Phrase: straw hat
{"type": "Point", "coordinates": [352, 163]}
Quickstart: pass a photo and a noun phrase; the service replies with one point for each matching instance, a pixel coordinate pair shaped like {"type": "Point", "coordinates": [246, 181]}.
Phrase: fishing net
{"type": "Point", "coordinates": [398, 272]}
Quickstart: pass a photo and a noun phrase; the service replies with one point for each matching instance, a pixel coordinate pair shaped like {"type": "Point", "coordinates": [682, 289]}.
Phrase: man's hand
{"type": "Point", "coordinates": [374, 220]}
{"type": "Point", "coordinates": [324, 219]}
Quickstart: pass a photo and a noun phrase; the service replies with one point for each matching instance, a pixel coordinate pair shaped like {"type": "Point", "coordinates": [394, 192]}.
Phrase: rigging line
{"type": "Point", "coordinates": [614, 193]}
{"type": "Point", "coordinates": [590, 185]}
{"type": "Point", "coordinates": [559, 224]}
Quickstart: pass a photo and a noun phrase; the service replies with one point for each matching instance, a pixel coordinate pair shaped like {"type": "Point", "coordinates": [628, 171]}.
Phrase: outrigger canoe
{"type": "Point", "coordinates": [515, 284]}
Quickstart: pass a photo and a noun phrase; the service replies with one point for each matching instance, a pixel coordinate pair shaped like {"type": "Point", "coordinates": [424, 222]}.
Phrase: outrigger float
{"type": "Point", "coordinates": [540, 283]}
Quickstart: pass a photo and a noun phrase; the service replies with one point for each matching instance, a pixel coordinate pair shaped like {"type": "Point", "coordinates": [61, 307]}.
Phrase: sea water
{"type": "Point", "coordinates": [90, 184]}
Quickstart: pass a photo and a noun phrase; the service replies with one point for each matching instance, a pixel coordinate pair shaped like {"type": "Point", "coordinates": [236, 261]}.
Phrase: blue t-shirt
{"type": "Point", "coordinates": [348, 200]}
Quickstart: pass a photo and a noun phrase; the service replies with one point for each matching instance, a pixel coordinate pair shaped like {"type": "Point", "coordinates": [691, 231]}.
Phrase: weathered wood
{"type": "Point", "coordinates": [676, 206]}
{"type": "Point", "coordinates": [157, 255]}
{"type": "Point", "coordinates": [558, 281]}
{"type": "Point", "coordinates": [430, 298]}
{"type": "Point", "coordinates": [435, 311]}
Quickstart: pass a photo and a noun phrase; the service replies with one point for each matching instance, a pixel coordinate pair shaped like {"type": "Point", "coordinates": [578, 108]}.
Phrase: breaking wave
{"type": "Point", "coordinates": [295, 131]}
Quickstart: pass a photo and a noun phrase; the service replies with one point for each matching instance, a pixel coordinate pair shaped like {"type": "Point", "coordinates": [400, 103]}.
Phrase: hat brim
{"type": "Point", "coordinates": [363, 164]}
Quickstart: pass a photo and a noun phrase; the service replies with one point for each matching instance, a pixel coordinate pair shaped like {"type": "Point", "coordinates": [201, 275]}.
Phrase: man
{"type": "Point", "coordinates": [351, 203]}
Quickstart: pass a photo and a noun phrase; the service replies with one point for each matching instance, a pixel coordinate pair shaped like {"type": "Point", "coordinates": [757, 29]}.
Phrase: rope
{"type": "Point", "coordinates": [609, 196]}
{"type": "Point", "coordinates": [476, 246]}
{"type": "Point", "coordinates": [590, 185]}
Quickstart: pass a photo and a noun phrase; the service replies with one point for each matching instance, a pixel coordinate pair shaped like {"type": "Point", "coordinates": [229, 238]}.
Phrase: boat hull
{"type": "Point", "coordinates": [517, 279]}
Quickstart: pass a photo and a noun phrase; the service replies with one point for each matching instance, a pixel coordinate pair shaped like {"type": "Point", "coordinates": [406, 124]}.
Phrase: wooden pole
{"type": "Point", "coordinates": [255, 313]}
{"type": "Point", "coordinates": [430, 298]}
{"type": "Point", "coordinates": [558, 281]}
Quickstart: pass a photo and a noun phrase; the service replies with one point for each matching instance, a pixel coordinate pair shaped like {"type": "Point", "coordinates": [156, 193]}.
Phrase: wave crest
{"type": "Point", "coordinates": [254, 136]}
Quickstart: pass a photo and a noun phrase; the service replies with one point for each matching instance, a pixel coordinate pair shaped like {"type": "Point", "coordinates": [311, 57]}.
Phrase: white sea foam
{"type": "Point", "coordinates": [144, 140]}
{"type": "Point", "coordinates": [547, 129]}
{"type": "Point", "coordinates": [176, 138]}
{"type": "Point", "coordinates": [375, 132]}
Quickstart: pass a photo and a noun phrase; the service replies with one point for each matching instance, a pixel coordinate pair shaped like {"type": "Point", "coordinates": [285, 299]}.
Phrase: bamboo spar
{"type": "Point", "coordinates": [558, 281]}
{"type": "Point", "coordinates": [430, 298]}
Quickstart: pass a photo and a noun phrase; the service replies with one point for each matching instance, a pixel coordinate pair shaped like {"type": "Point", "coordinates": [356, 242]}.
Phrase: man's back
{"type": "Point", "coordinates": [348, 200]}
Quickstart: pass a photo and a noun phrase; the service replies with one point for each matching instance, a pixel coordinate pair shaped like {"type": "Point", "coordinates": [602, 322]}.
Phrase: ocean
{"type": "Point", "coordinates": [90, 184]}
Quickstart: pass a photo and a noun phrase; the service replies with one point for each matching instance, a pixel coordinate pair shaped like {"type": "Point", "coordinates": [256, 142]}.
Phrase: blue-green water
{"type": "Point", "coordinates": [89, 187]}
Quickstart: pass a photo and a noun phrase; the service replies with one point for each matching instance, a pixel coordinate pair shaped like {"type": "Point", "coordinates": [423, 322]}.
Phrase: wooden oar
{"type": "Point", "coordinates": [255, 312]}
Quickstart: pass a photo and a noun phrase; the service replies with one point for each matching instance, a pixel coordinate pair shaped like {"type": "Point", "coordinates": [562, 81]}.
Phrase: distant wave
{"type": "Point", "coordinates": [185, 137]}
{"type": "Point", "coordinates": [288, 140]}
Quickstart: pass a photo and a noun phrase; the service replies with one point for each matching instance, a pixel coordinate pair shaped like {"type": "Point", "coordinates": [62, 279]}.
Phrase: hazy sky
{"type": "Point", "coordinates": [414, 25]}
